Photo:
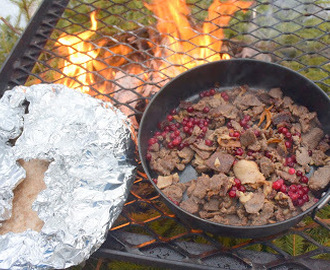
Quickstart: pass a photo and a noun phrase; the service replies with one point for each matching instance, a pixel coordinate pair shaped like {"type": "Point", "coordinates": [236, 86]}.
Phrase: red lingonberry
{"type": "Point", "coordinates": [232, 194]}
{"type": "Point", "coordinates": [291, 164]}
{"type": "Point", "coordinates": [250, 153]}
{"type": "Point", "coordinates": [293, 188]}
{"type": "Point", "coordinates": [181, 146]}
{"type": "Point", "coordinates": [152, 141]}
{"type": "Point", "coordinates": [288, 160]}
{"type": "Point", "coordinates": [247, 118]}
{"type": "Point", "coordinates": [167, 128]}
{"type": "Point", "coordinates": [206, 109]}
{"type": "Point", "coordinates": [288, 135]}
{"type": "Point", "coordinates": [208, 142]}
{"type": "Point", "coordinates": [294, 196]}
{"type": "Point", "coordinates": [154, 180]}
{"type": "Point", "coordinates": [237, 134]}
{"type": "Point", "coordinates": [237, 182]}
{"type": "Point", "coordinates": [297, 134]}
{"type": "Point", "coordinates": [284, 130]}
{"type": "Point", "coordinates": [305, 189]}
{"type": "Point", "coordinates": [148, 156]}
{"type": "Point", "coordinates": [304, 179]}
{"type": "Point", "coordinates": [239, 151]}
{"type": "Point", "coordinates": [164, 133]}
{"type": "Point", "coordinates": [173, 127]}
{"type": "Point", "coordinates": [190, 124]}
{"type": "Point", "coordinates": [291, 171]}
{"type": "Point", "coordinates": [212, 92]}
{"type": "Point", "coordinates": [243, 123]}
{"type": "Point", "coordinates": [256, 132]}
{"type": "Point", "coordinates": [185, 129]}
{"type": "Point", "coordinates": [170, 145]}
{"type": "Point", "coordinates": [170, 117]}
{"type": "Point", "coordinates": [177, 141]}
{"type": "Point", "coordinates": [305, 197]}
{"type": "Point", "coordinates": [300, 193]}
{"type": "Point", "coordinates": [190, 109]}
{"type": "Point", "coordinates": [200, 125]}
{"type": "Point", "coordinates": [173, 112]}
{"type": "Point", "coordinates": [229, 125]}
{"type": "Point", "coordinates": [276, 185]}
{"type": "Point", "coordinates": [299, 173]}
{"type": "Point", "coordinates": [283, 188]}
{"type": "Point", "coordinates": [300, 202]}
{"type": "Point", "coordinates": [288, 144]}
{"type": "Point", "coordinates": [242, 188]}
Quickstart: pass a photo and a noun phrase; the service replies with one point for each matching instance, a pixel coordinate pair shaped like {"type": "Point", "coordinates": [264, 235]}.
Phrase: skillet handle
{"type": "Point", "coordinates": [326, 201]}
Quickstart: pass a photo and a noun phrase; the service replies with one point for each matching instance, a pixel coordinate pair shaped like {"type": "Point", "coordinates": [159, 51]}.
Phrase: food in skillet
{"type": "Point", "coordinates": [260, 157]}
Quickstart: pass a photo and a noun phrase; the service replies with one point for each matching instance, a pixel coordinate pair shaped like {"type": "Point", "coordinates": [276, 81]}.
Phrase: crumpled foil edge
{"type": "Point", "coordinates": [92, 165]}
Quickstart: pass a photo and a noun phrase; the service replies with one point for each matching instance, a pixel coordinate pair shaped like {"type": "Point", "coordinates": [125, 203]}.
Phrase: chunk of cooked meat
{"type": "Point", "coordinates": [248, 138]}
{"type": "Point", "coordinates": [248, 172]}
{"type": "Point", "coordinates": [303, 157]}
{"type": "Point", "coordinates": [266, 166]}
{"type": "Point", "coordinates": [166, 181]}
{"type": "Point", "coordinates": [276, 93]}
{"type": "Point", "coordinates": [281, 117]}
{"type": "Point", "coordinates": [175, 191]}
{"type": "Point", "coordinates": [190, 205]}
{"type": "Point", "coordinates": [312, 138]}
{"type": "Point", "coordinates": [220, 162]}
{"type": "Point", "coordinates": [219, 185]}
{"type": "Point", "coordinates": [320, 179]}
{"type": "Point", "coordinates": [186, 154]}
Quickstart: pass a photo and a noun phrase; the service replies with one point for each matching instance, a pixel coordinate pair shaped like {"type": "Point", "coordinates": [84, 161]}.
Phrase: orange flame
{"type": "Point", "coordinates": [182, 47]}
{"type": "Point", "coordinates": [185, 47]}
{"type": "Point", "coordinates": [81, 57]}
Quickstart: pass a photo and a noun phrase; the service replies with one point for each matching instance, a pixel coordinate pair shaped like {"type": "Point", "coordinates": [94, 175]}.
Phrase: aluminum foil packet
{"type": "Point", "coordinates": [91, 153]}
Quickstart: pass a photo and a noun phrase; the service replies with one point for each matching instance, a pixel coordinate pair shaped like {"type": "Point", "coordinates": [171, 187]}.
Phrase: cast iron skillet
{"type": "Point", "coordinates": [230, 73]}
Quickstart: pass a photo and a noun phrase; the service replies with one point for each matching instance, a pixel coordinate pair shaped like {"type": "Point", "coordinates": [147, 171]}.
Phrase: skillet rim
{"type": "Point", "coordinates": [295, 219]}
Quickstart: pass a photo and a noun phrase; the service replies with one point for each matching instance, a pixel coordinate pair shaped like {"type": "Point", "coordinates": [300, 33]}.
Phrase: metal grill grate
{"type": "Point", "coordinates": [292, 33]}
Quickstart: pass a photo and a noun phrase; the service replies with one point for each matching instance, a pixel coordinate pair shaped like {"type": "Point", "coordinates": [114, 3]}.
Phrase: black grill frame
{"type": "Point", "coordinates": [134, 239]}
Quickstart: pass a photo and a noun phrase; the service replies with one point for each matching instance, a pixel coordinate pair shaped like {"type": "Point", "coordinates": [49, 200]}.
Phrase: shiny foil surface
{"type": "Point", "coordinates": [88, 144]}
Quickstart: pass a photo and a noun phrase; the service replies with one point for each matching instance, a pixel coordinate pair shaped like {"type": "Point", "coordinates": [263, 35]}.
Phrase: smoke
{"type": "Point", "coordinates": [273, 17]}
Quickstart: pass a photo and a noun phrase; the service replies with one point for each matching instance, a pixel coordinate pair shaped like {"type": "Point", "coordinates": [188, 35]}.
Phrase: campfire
{"type": "Point", "coordinates": [177, 44]}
